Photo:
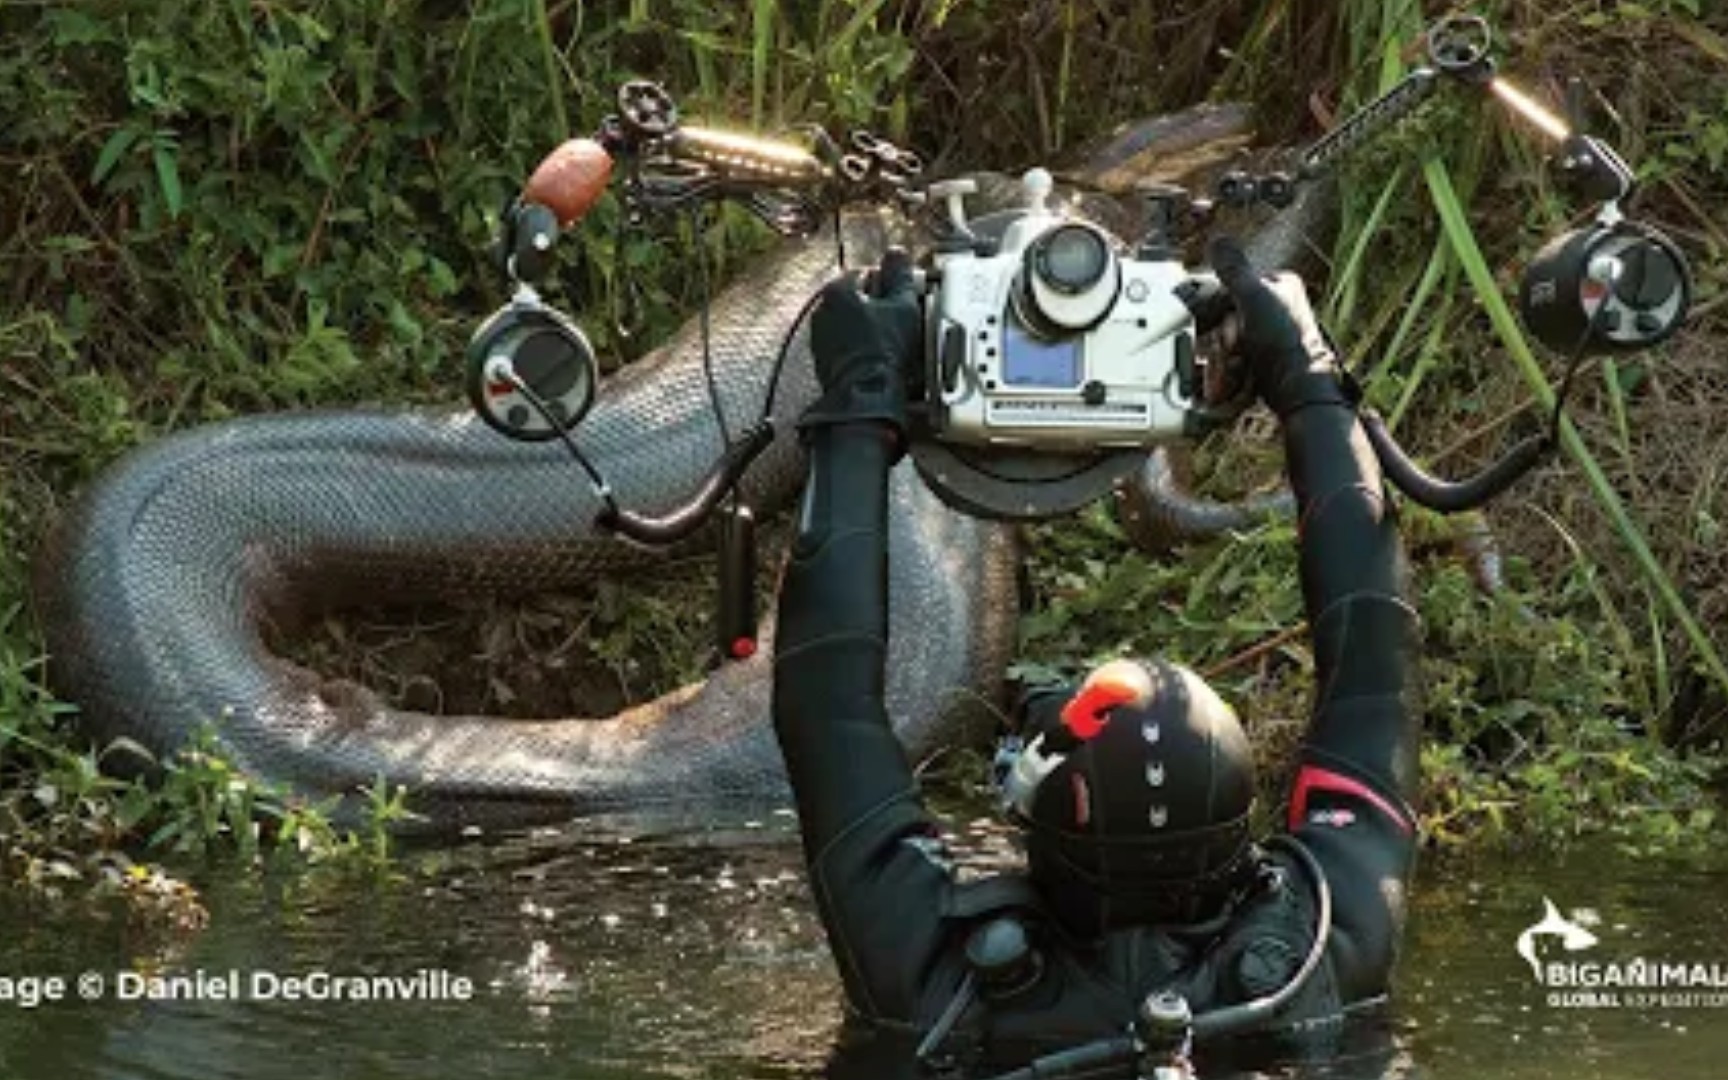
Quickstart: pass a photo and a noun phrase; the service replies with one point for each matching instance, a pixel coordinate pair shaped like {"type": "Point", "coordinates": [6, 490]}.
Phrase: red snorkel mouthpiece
{"type": "Point", "coordinates": [1120, 682]}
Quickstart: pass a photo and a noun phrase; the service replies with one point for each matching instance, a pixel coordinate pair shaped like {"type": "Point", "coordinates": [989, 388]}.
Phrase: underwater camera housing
{"type": "Point", "coordinates": [1054, 338]}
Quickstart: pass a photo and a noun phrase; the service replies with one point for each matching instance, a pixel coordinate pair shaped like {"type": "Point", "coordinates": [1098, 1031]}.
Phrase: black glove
{"type": "Point", "coordinates": [863, 346]}
{"type": "Point", "coordinates": [1287, 352]}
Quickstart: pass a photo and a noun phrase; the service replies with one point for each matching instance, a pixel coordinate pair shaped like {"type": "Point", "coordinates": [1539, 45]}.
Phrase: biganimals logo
{"type": "Point", "coordinates": [1591, 982]}
{"type": "Point", "coordinates": [1572, 934]}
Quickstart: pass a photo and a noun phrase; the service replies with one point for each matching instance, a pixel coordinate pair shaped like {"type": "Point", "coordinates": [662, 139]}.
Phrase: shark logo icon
{"type": "Point", "coordinates": [1553, 924]}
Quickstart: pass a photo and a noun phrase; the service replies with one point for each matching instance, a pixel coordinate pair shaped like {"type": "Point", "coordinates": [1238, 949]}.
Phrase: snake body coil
{"type": "Point", "coordinates": [156, 590]}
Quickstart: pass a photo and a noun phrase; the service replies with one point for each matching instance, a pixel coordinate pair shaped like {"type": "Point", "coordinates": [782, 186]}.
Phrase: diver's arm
{"type": "Point", "coordinates": [871, 849]}
{"type": "Point", "coordinates": [831, 638]}
{"type": "Point", "coordinates": [1356, 779]}
{"type": "Point", "coordinates": [875, 865]}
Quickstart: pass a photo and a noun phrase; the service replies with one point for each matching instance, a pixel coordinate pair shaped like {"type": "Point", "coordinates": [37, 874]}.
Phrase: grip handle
{"type": "Point", "coordinates": [570, 180]}
{"type": "Point", "coordinates": [735, 619]}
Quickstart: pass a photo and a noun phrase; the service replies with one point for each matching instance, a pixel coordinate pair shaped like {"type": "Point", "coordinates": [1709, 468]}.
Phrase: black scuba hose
{"type": "Point", "coordinates": [1449, 496]}
{"type": "Point", "coordinates": [1452, 496]}
{"type": "Point", "coordinates": [686, 519]}
{"type": "Point", "coordinates": [1234, 1018]}
{"type": "Point", "coordinates": [682, 520]}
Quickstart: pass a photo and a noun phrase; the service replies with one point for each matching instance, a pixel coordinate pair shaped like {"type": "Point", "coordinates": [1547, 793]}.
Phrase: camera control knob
{"type": "Point", "coordinates": [1238, 188]}
{"type": "Point", "coordinates": [1166, 206]}
{"type": "Point", "coordinates": [1278, 190]}
{"type": "Point", "coordinates": [1187, 371]}
{"type": "Point", "coordinates": [1038, 184]}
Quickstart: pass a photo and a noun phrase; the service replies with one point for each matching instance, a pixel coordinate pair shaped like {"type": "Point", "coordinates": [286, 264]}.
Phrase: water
{"type": "Point", "coordinates": [699, 956]}
{"type": "Point", "coordinates": [1470, 1007]}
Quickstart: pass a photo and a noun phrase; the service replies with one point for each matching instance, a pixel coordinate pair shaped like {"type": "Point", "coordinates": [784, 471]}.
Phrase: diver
{"type": "Point", "coordinates": [1146, 896]}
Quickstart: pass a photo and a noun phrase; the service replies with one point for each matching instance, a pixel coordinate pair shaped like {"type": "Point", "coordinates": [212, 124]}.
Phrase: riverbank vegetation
{"type": "Point", "coordinates": [228, 208]}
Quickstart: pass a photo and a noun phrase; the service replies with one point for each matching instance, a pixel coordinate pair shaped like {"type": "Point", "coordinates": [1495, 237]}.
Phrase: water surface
{"type": "Point", "coordinates": [698, 955]}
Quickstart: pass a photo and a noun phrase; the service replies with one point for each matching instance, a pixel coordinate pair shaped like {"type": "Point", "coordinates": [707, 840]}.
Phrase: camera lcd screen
{"type": "Point", "coordinates": [1027, 361]}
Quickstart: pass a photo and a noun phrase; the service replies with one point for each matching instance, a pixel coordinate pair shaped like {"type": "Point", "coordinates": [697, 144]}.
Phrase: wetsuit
{"type": "Point", "coordinates": [896, 919]}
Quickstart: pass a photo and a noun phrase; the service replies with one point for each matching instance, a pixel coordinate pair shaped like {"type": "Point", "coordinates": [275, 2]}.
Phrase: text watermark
{"type": "Point", "coordinates": [234, 984]}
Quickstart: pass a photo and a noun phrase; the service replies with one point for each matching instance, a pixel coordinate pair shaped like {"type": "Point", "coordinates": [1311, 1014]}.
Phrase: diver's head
{"type": "Point", "coordinates": [1134, 790]}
